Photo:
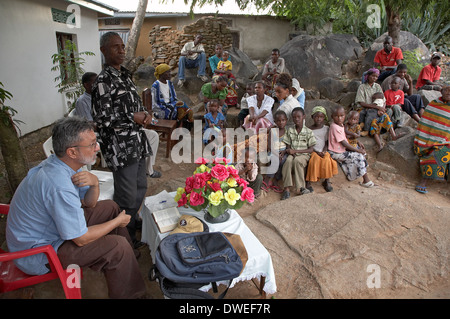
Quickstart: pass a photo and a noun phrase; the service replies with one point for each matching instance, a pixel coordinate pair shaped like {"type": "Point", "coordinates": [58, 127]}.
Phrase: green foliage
{"type": "Point", "coordinates": [427, 19]}
{"type": "Point", "coordinates": [431, 27]}
{"type": "Point", "coordinates": [353, 19]}
{"type": "Point", "coordinates": [7, 112]}
{"type": "Point", "coordinates": [69, 64]}
{"type": "Point", "coordinates": [411, 59]}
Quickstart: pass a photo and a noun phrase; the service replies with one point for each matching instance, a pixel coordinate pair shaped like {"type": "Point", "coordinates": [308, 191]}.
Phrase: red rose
{"type": "Point", "coordinates": [215, 186]}
{"type": "Point", "coordinates": [189, 184]}
{"type": "Point", "coordinates": [220, 172]}
{"type": "Point", "coordinates": [206, 176]}
{"type": "Point", "coordinates": [196, 199]}
{"type": "Point", "coordinates": [183, 200]}
{"type": "Point", "coordinates": [199, 181]}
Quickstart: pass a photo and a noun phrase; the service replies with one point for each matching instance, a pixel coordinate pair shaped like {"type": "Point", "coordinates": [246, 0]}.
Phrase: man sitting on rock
{"type": "Point", "coordinates": [387, 59]}
{"type": "Point", "coordinates": [274, 67]}
{"type": "Point", "coordinates": [430, 75]}
{"type": "Point", "coordinates": [192, 56]}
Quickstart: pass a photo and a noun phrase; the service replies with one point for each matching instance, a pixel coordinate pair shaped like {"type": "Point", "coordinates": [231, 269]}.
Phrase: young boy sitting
{"type": "Point", "coordinates": [249, 91]}
{"type": "Point", "coordinates": [248, 170]}
{"type": "Point", "coordinates": [299, 142]}
{"type": "Point", "coordinates": [395, 98]}
{"type": "Point", "coordinates": [381, 124]}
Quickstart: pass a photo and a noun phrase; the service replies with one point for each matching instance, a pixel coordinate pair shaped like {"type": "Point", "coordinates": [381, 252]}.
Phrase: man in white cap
{"type": "Point", "coordinates": [430, 75]}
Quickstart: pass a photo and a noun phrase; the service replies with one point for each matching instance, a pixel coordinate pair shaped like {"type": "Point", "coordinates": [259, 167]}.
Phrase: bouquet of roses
{"type": "Point", "coordinates": [215, 186]}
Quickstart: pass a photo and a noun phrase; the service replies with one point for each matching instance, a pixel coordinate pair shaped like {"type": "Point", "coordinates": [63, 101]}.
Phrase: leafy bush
{"type": "Point", "coordinates": [411, 59]}
{"type": "Point", "coordinates": [68, 61]}
{"type": "Point", "coordinates": [432, 28]}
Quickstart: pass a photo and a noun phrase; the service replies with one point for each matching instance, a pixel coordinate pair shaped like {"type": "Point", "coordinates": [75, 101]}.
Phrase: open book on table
{"type": "Point", "coordinates": [166, 219]}
{"type": "Point", "coordinates": [164, 211]}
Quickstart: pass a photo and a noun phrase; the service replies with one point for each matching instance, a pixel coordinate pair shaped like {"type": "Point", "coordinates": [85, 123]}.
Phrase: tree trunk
{"type": "Point", "coordinates": [394, 24]}
{"type": "Point", "coordinates": [130, 48]}
{"type": "Point", "coordinates": [13, 155]}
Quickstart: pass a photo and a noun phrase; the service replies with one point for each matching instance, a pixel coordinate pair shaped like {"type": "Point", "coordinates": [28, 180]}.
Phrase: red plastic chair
{"type": "Point", "coordinates": [12, 278]}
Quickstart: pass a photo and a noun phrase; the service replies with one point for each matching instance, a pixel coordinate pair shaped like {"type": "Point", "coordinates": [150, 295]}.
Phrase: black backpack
{"type": "Point", "coordinates": [185, 262]}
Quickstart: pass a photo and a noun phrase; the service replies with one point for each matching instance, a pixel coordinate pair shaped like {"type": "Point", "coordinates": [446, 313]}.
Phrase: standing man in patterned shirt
{"type": "Point", "coordinates": [120, 116]}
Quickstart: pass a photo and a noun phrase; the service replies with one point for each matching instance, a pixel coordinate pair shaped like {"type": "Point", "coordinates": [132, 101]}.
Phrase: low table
{"type": "Point", "coordinates": [259, 264]}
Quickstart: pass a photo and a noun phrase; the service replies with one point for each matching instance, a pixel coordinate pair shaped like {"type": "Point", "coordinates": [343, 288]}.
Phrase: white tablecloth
{"type": "Point", "coordinates": [106, 183]}
{"type": "Point", "coordinates": [259, 261]}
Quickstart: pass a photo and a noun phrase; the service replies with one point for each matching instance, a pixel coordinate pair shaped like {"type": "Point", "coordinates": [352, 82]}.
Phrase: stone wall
{"type": "Point", "coordinates": [167, 43]}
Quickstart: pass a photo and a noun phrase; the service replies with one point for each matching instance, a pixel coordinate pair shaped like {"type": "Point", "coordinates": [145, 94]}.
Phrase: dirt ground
{"type": "Point", "coordinates": [94, 286]}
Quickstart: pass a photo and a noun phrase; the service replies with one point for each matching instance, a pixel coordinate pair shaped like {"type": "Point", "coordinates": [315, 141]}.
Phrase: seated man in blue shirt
{"type": "Point", "coordinates": [56, 204]}
{"type": "Point", "coordinates": [83, 103]}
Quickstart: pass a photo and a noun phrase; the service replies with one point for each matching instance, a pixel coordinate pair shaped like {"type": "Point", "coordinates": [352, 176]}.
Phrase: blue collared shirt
{"type": "Point", "coordinates": [45, 210]}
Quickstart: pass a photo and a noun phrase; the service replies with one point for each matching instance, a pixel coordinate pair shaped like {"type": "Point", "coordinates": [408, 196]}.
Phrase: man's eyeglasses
{"type": "Point", "coordinates": [93, 145]}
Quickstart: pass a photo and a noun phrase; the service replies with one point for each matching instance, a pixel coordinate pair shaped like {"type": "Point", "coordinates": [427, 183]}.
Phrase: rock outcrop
{"type": "Point", "coordinates": [312, 58]}
{"type": "Point", "coordinates": [341, 241]}
{"type": "Point", "coordinates": [407, 42]}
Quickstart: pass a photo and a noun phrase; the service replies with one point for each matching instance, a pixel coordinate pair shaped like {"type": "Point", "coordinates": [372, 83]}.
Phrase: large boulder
{"type": "Point", "coordinates": [400, 154]}
{"type": "Point", "coordinates": [243, 67]}
{"type": "Point", "coordinates": [312, 58]}
{"type": "Point", "coordinates": [352, 239]}
{"type": "Point", "coordinates": [330, 88]}
{"type": "Point", "coordinates": [144, 75]}
{"type": "Point", "coordinates": [192, 86]}
{"type": "Point", "coordinates": [407, 42]}
{"type": "Point", "coordinates": [429, 95]}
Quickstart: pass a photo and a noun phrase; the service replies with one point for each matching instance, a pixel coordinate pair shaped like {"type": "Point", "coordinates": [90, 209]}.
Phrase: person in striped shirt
{"type": "Point", "coordinates": [432, 141]}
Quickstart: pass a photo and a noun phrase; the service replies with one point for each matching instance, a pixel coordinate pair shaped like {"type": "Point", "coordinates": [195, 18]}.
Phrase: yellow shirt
{"type": "Point", "coordinates": [225, 65]}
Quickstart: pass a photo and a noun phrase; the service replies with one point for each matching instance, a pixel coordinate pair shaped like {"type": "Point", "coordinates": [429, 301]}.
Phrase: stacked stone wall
{"type": "Point", "coordinates": [167, 43]}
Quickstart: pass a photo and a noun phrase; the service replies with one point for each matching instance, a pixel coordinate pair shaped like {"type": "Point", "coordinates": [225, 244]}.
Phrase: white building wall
{"type": "Point", "coordinates": [27, 42]}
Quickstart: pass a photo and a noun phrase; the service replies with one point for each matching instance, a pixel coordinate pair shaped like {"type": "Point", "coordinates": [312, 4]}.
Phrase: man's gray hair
{"type": "Point", "coordinates": [66, 133]}
{"type": "Point", "coordinates": [105, 37]}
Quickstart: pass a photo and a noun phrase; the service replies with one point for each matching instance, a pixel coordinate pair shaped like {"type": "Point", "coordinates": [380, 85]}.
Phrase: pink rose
{"type": "Point", "coordinates": [219, 160]}
{"type": "Point", "coordinates": [183, 200]}
{"type": "Point", "coordinates": [196, 199]}
{"type": "Point", "coordinates": [242, 182]}
{"type": "Point", "coordinates": [233, 172]}
{"type": "Point", "coordinates": [201, 161]}
{"type": "Point", "coordinates": [248, 195]}
{"type": "Point", "coordinates": [189, 184]}
{"type": "Point", "coordinates": [220, 172]}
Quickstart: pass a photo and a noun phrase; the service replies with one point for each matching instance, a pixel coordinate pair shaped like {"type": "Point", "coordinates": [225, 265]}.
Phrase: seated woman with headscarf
{"type": "Point", "coordinates": [165, 104]}
{"type": "Point", "coordinates": [432, 141]}
{"type": "Point", "coordinates": [298, 92]}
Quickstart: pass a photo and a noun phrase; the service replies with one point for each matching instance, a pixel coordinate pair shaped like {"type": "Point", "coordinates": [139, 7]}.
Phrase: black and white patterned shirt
{"type": "Point", "coordinates": [114, 102]}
